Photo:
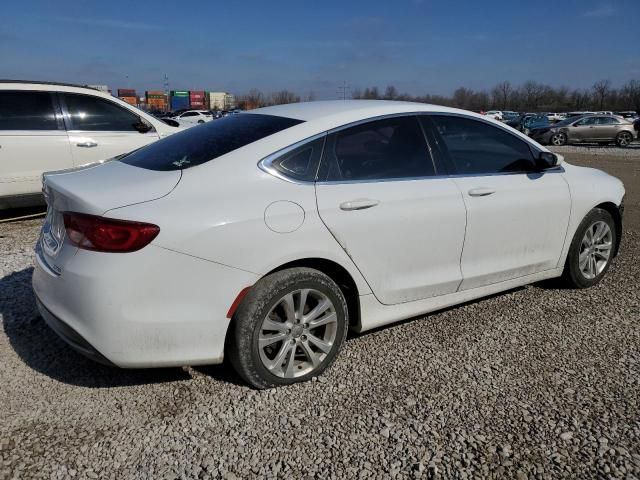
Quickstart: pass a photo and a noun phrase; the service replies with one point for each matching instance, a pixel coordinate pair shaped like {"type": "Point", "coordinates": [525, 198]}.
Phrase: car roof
{"type": "Point", "coordinates": [51, 86]}
{"type": "Point", "coordinates": [341, 109]}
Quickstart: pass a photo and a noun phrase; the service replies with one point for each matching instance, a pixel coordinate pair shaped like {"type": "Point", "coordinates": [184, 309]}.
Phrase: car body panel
{"type": "Point", "coordinates": [419, 224]}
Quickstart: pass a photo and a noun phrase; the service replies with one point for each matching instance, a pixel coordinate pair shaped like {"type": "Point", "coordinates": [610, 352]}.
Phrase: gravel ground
{"type": "Point", "coordinates": [533, 383]}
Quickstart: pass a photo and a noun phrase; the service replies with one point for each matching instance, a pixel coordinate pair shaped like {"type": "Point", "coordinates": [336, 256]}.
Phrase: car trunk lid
{"type": "Point", "coordinates": [93, 190]}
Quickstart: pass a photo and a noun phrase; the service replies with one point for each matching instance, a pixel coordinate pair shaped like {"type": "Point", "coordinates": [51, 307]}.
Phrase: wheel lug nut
{"type": "Point", "coordinates": [304, 337]}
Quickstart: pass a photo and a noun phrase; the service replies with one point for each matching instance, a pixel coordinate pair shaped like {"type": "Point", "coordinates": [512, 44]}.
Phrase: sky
{"type": "Point", "coordinates": [419, 46]}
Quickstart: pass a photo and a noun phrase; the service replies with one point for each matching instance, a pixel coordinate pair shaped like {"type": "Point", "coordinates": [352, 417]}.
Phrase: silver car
{"type": "Point", "coordinates": [602, 129]}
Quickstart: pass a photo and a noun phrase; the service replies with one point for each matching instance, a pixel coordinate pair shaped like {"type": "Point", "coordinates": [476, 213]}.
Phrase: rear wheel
{"type": "Point", "coordinates": [591, 250]}
{"type": "Point", "coordinates": [558, 139]}
{"type": "Point", "coordinates": [200, 121]}
{"type": "Point", "coordinates": [623, 139]}
{"type": "Point", "coordinates": [288, 329]}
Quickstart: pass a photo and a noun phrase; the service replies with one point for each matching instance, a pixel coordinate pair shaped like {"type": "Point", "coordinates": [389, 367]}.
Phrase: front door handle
{"type": "Point", "coordinates": [359, 204]}
{"type": "Point", "coordinates": [87, 144]}
{"type": "Point", "coordinates": [481, 192]}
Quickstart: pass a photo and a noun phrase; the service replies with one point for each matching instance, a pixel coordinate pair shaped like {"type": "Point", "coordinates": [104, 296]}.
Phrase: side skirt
{"type": "Point", "coordinates": [374, 314]}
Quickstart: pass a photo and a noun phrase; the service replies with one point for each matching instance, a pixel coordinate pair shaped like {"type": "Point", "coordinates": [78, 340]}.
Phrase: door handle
{"type": "Point", "coordinates": [359, 204]}
{"type": "Point", "coordinates": [481, 192]}
{"type": "Point", "coordinates": [87, 144]}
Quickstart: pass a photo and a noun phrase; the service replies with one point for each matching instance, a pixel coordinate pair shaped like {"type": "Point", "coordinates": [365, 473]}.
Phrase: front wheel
{"type": "Point", "coordinates": [558, 139]}
{"type": "Point", "coordinates": [623, 139]}
{"type": "Point", "coordinates": [591, 250]}
{"type": "Point", "coordinates": [288, 329]}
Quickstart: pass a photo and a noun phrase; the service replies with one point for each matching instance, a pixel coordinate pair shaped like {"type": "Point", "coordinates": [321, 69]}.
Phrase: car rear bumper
{"type": "Point", "coordinates": [70, 336]}
{"type": "Point", "coordinates": [151, 308]}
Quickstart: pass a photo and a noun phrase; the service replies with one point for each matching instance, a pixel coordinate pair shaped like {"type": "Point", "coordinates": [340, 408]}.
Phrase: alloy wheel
{"type": "Point", "coordinates": [298, 333]}
{"type": "Point", "coordinates": [558, 139]}
{"type": "Point", "coordinates": [595, 249]}
{"type": "Point", "coordinates": [624, 139]}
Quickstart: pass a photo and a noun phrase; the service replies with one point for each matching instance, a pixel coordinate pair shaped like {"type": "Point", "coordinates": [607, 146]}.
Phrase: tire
{"type": "Point", "coordinates": [573, 275]}
{"type": "Point", "coordinates": [264, 310]}
{"type": "Point", "coordinates": [558, 139]}
{"type": "Point", "coordinates": [200, 121]}
{"type": "Point", "coordinates": [623, 139]}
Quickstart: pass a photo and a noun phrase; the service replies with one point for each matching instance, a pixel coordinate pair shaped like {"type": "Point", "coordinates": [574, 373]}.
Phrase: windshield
{"type": "Point", "coordinates": [198, 145]}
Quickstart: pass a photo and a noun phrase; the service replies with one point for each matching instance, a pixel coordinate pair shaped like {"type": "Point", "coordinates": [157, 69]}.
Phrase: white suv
{"type": "Point", "coordinates": [48, 126]}
{"type": "Point", "coordinates": [193, 117]}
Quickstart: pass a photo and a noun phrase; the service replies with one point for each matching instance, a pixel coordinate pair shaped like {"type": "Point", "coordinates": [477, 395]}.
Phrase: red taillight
{"type": "Point", "coordinates": [107, 234]}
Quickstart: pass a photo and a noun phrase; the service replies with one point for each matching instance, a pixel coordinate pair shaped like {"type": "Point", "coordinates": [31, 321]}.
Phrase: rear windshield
{"type": "Point", "coordinates": [198, 145]}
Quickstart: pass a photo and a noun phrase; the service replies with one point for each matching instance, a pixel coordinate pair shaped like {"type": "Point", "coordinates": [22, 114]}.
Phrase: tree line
{"type": "Point", "coordinates": [530, 97]}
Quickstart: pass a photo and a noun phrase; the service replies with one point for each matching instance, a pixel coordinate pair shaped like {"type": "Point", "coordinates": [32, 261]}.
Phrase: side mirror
{"type": "Point", "coordinates": [142, 126]}
{"type": "Point", "coordinates": [548, 160]}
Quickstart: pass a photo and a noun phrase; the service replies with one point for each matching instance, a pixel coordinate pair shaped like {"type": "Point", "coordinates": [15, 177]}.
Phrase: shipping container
{"type": "Point", "coordinates": [156, 100]}
{"type": "Point", "coordinates": [126, 92]}
{"type": "Point", "coordinates": [197, 99]}
{"type": "Point", "coordinates": [221, 101]}
{"type": "Point", "coordinates": [130, 100]}
{"type": "Point", "coordinates": [179, 99]}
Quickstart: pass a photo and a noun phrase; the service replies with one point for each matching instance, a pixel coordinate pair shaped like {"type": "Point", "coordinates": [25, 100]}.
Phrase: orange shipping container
{"type": "Point", "coordinates": [130, 100]}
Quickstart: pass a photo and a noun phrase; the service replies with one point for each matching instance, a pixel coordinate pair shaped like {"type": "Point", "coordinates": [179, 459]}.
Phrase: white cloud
{"type": "Point", "coordinates": [602, 11]}
{"type": "Point", "coordinates": [109, 23]}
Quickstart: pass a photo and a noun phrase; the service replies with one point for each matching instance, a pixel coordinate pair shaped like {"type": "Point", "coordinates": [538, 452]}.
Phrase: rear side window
{"type": "Point", "coordinates": [609, 120]}
{"type": "Point", "coordinates": [95, 114]}
{"type": "Point", "coordinates": [476, 147]}
{"type": "Point", "coordinates": [302, 162]}
{"type": "Point", "coordinates": [24, 110]}
{"type": "Point", "coordinates": [392, 148]}
{"type": "Point", "coordinates": [208, 141]}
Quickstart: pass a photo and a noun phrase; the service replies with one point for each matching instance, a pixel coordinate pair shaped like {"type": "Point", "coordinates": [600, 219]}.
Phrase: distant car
{"type": "Point", "coordinates": [495, 114]}
{"type": "Point", "coordinates": [628, 114]}
{"type": "Point", "coordinates": [578, 114]}
{"type": "Point", "coordinates": [52, 126]}
{"type": "Point", "coordinates": [193, 117]}
{"type": "Point", "coordinates": [264, 236]}
{"type": "Point", "coordinates": [602, 129]}
{"type": "Point", "coordinates": [556, 117]}
{"type": "Point", "coordinates": [532, 122]}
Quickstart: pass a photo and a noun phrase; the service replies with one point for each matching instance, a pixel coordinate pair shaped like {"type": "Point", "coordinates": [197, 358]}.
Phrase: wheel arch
{"type": "Point", "coordinates": [615, 212]}
{"type": "Point", "coordinates": [338, 274]}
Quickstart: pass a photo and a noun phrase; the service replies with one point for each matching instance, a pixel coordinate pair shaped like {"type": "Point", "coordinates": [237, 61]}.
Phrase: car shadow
{"type": "Point", "coordinates": [43, 351]}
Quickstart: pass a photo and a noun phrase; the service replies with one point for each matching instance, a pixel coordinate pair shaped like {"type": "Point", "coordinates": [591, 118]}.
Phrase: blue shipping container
{"type": "Point", "coordinates": [179, 100]}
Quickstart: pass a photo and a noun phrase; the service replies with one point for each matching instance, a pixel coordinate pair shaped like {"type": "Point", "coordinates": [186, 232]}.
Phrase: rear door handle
{"type": "Point", "coordinates": [87, 144]}
{"type": "Point", "coordinates": [481, 192]}
{"type": "Point", "coordinates": [359, 204]}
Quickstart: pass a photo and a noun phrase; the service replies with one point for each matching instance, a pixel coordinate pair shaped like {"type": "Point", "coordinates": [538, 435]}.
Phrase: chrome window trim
{"type": "Point", "coordinates": [266, 164]}
{"type": "Point", "coordinates": [558, 169]}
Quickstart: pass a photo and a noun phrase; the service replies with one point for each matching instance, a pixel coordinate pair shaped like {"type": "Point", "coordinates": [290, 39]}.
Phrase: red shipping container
{"type": "Point", "coordinates": [126, 92]}
{"type": "Point", "coordinates": [197, 99]}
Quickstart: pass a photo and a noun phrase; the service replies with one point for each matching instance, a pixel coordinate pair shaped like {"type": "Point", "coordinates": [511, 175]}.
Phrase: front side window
{"type": "Point", "coordinates": [195, 146]}
{"type": "Point", "coordinates": [24, 110]}
{"type": "Point", "coordinates": [476, 147]}
{"type": "Point", "coordinates": [95, 114]}
{"type": "Point", "coordinates": [585, 121]}
{"type": "Point", "coordinates": [393, 148]}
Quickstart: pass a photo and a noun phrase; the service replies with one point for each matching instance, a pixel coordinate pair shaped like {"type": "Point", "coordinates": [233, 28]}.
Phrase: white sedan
{"type": "Point", "coordinates": [264, 236]}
